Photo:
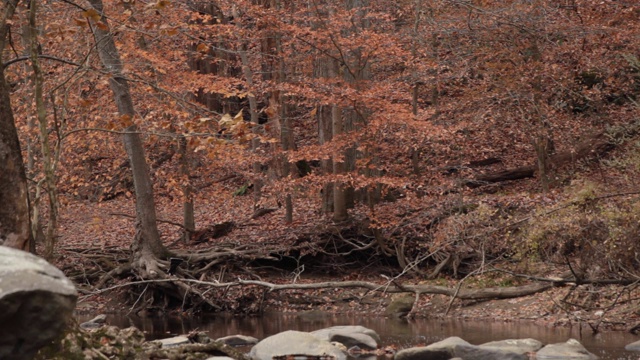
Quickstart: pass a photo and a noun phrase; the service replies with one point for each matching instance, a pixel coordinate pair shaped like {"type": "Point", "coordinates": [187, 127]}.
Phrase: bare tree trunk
{"type": "Point", "coordinates": [543, 146]}
{"type": "Point", "coordinates": [34, 196]}
{"type": "Point", "coordinates": [147, 247]}
{"type": "Point", "coordinates": [325, 134]}
{"type": "Point", "coordinates": [339, 165]}
{"type": "Point", "coordinates": [322, 69]}
{"type": "Point", "coordinates": [355, 70]}
{"type": "Point", "coordinates": [415, 91]}
{"type": "Point", "coordinates": [253, 109]}
{"type": "Point", "coordinates": [286, 127]}
{"type": "Point", "coordinates": [15, 229]}
{"type": "Point", "coordinates": [189, 221]}
{"type": "Point", "coordinates": [50, 180]}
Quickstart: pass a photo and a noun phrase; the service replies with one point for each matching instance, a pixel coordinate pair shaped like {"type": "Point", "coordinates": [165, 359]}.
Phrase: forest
{"type": "Point", "coordinates": [201, 155]}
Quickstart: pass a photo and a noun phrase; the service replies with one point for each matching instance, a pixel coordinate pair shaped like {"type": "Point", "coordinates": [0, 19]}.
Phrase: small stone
{"type": "Point", "coordinates": [174, 341]}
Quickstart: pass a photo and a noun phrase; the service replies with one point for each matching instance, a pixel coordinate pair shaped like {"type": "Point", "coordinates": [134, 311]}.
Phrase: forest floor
{"type": "Point", "coordinates": [89, 231]}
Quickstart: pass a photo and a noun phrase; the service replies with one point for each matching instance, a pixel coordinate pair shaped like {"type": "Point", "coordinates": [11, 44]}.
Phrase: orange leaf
{"type": "Point", "coordinates": [81, 22]}
{"type": "Point", "coordinates": [102, 26]}
{"type": "Point", "coordinates": [92, 14]}
{"type": "Point", "coordinates": [202, 48]}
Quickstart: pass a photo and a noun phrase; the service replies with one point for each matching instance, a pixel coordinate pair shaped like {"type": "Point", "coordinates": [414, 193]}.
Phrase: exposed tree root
{"type": "Point", "coordinates": [119, 271]}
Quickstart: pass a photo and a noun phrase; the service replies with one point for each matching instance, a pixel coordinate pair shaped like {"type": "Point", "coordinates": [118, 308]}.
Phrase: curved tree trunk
{"type": "Point", "coordinates": [147, 247]}
{"type": "Point", "coordinates": [14, 214]}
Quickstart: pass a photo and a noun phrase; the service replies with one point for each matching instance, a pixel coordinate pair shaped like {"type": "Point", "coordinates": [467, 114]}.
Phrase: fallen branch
{"type": "Point", "coordinates": [568, 279]}
{"type": "Point", "coordinates": [158, 220]}
{"type": "Point", "coordinates": [464, 294]}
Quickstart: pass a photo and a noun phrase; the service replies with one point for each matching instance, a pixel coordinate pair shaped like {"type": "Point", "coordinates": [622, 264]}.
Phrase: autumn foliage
{"type": "Point", "coordinates": [385, 108]}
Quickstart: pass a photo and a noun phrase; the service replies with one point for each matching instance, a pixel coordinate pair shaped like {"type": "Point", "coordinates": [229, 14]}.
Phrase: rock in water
{"type": "Point", "coordinates": [349, 336]}
{"type": "Point", "coordinates": [295, 343]}
{"type": "Point", "coordinates": [400, 306]}
{"type": "Point", "coordinates": [572, 349]}
{"type": "Point", "coordinates": [36, 299]}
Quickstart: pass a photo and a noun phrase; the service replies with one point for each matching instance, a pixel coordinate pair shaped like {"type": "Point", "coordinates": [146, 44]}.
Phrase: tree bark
{"type": "Point", "coordinates": [339, 189]}
{"type": "Point", "coordinates": [189, 221]}
{"type": "Point", "coordinates": [325, 134]}
{"type": "Point", "coordinates": [15, 228]}
{"type": "Point", "coordinates": [323, 69]}
{"type": "Point", "coordinates": [253, 110]}
{"type": "Point", "coordinates": [147, 247]}
{"type": "Point", "coordinates": [48, 163]}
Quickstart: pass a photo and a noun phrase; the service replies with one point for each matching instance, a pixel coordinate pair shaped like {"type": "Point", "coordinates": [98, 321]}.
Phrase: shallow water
{"type": "Point", "coordinates": [608, 345]}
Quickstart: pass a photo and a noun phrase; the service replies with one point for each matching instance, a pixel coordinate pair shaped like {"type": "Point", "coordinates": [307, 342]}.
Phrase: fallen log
{"type": "Point", "coordinates": [389, 287]}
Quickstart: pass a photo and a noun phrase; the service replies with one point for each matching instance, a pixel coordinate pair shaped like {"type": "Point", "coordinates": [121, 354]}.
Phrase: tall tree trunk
{"type": "Point", "coordinates": [415, 90]}
{"type": "Point", "coordinates": [275, 71]}
{"type": "Point", "coordinates": [253, 110]}
{"type": "Point", "coordinates": [355, 70]}
{"type": "Point", "coordinates": [189, 221]}
{"type": "Point", "coordinates": [322, 69]}
{"type": "Point", "coordinates": [15, 229]}
{"type": "Point", "coordinates": [147, 247]}
{"type": "Point", "coordinates": [325, 134]}
{"type": "Point", "coordinates": [50, 180]}
{"type": "Point", "coordinates": [339, 165]}
{"type": "Point", "coordinates": [34, 196]}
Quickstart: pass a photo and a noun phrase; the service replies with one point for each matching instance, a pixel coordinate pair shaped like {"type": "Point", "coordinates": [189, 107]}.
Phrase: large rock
{"type": "Point", "coordinates": [634, 346]}
{"type": "Point", "coordinates": [36, 299]}
{"type": "Point", "coordinates": [572, 349]}
{"type": "Point", "coordinates": [519, 346]}
{"type": "Point", "coordinates": [479, 353]}
{"type": "Point", "coordinates": [458, 347]}
{"type": "Point", "coordinates": [294, 343]}
{"type": "Point", "coordinates": [422, 353]}
{"type": "Point", "coordinates": [448, 343]}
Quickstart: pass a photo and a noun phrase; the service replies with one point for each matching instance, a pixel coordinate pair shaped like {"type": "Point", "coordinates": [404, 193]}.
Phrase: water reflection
{"type": "Point", "coordinates": [609, 345]}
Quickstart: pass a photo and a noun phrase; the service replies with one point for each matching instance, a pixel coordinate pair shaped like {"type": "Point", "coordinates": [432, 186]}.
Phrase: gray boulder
{"type": "Point", "coordinates": [460, 348]}
{"type": "Point", "coordinates": [350, 336]}
{"type": "Point", "coordinates": [634, 346]}
{"type": "Point", "coordinates": [36, 300]}
{"type": "Point", "coordinates": [94, 323]}
{"type": "Point", "coordinates": [572, 349]}
{"type": "Point", "coordinates": [519, 346]}
{"type": "Point", "coordinates": [294, 343]}
{"type": "Point", "coordinates": [422, 353]}
{"type": "Point", "coordinates": [448, 343]}
{"type": "Point", "coordinates": [479, 353]}
{"type": "Point", "coordinates": [238, 340]}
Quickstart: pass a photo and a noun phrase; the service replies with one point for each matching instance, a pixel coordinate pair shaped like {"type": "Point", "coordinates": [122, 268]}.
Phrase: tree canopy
{"type": "Point", "coordinates": [400, 129]}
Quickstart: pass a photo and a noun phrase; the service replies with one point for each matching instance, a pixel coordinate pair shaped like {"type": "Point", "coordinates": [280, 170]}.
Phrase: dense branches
{"type": "Point", "coordinates": [365, 117]}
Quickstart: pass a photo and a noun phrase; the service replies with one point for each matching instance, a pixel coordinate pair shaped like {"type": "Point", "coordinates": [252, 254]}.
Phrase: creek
{"type": "Point", "coordinates": [607, 345]}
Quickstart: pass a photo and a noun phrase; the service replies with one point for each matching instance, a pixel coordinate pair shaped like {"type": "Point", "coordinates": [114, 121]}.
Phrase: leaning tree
{"type": "Point", "coordinates": [14, 213]}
